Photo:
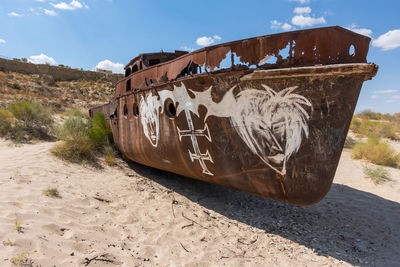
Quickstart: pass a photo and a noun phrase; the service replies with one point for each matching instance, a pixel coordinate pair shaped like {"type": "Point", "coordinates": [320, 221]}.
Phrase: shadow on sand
{"type": "Point", "coordinates": [350, 225]}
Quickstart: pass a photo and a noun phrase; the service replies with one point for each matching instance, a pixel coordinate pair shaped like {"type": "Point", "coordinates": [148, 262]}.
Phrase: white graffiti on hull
{"type": "Point", "coordinates": [272, 124]}
{"type": "Point", "coordinates": [150, 118]}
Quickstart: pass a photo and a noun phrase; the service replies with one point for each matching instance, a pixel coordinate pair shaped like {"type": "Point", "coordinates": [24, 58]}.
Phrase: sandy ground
{"type": "Point", "coordinates": [131, 215]}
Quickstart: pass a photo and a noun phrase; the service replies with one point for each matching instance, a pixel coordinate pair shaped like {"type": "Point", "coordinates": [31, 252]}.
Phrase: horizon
{"type": "Point", "coordinates": [103, 33]}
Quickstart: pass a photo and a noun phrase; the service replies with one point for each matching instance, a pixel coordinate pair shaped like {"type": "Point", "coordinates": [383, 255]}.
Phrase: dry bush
{"type": "Point", "coordinates": [6, 122]}
{"type": "Point", "coordinates": [83, 141]}
{"type": "Point", "coordinates": [381, 129]}
{"type": "Point", "coordinates": [22, 259]}
{"type": "Point", "coordinates": [110, 156]}
{"type": "Point", "coordinates": [76, 146]}
{"type": "Point", "coordinates": [369, 114]}
{"type": "Point", "coordinates": [377, 152]}
{"type": "Point", "coordinates": [33, 120]}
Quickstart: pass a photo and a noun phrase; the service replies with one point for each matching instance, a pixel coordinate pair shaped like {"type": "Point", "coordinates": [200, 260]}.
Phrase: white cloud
{"type": "Point", "coordinates": [108, 65]}
{"type": "Point", "coordinates": [396, 97]}
{"type": "Point", "coordinates": [206, 41]}
{"type": "Point", "coordinates": [286, 26]}
{"type": "Point", "coordinates": [14, 14]}
{"type": "Point", "coordinates": [50, 12]}
{"type": "Point", "coordinates": [186, 48]}
{"type": "Point", "coordinates": [276, 25]}
{"type": "Point", "coordinates": [388, 41]}
{"type": "Point", "coordinates": [217, 37]}
{"type": "Point", "coordinates": [41, 1]}
{"type": "Point", "coordinates": [363, 31]}
{"type": "Point", "coordinates": [42, 59]}
{"type": "Point", "coordinates": [389, 91]}
{"type": "Point", "coordinates": [2, 41]}
{"type": "Point", "coordinates": [307, 21]}
{"type": "Point", "coordinates": [74, 4]}
{"type": "Point", "coordinates": [374, 96]}
{"type": "Point", "coordinates": [301, 1]}
{"type": "Point", "coordinates": [302, 10]}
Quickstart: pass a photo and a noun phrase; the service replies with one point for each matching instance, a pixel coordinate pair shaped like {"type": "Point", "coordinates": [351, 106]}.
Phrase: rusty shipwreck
{"type": "Point", "coordinates": [266, 116]}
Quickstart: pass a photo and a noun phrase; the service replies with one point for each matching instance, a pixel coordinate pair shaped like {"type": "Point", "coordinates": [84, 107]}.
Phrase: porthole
{"type": "Point", "coordinates": [352, 50]}
{"type": "Point", "coordinates": [136, 110]}
{"type": "Point", "coordinates": [125, 110]}
{"type": "Point", "coordinates": [170, 108]}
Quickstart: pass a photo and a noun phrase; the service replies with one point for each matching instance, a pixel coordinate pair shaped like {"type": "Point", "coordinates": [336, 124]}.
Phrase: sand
{"type": "Point", "coordinates": [131, 215]}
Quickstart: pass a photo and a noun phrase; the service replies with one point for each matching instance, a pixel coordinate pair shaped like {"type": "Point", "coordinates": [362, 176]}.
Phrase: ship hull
{"type": "Point", "coordinates": [272, 133]}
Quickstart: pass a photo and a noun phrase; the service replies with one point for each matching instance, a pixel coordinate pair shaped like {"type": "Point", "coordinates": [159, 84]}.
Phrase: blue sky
{"type": "Point", "coordinates": [108, 33]}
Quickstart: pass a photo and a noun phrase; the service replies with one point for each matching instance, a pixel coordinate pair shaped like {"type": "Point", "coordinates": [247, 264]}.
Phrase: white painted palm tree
{"type": "Point", "coordinates": [272, 124]}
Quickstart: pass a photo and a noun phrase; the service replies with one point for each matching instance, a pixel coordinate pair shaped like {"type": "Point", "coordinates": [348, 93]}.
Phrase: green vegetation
{"type": "Point", "coordinates": [25, 120]}
{"type": "Point", "coordinates": [16, 86]}
{"type": "Point", "coordinates": [382, 125]}
{"type": "Point", "coordinates": [377, 174]}
{"type": "Point", "coordinates": [377, 152]}
{"type": "Point", "coordinates": [369, 127]}
{"type": "Point", "coordinates": [83, 140]}
{"type": "Point", "coordinates": [52, 192]}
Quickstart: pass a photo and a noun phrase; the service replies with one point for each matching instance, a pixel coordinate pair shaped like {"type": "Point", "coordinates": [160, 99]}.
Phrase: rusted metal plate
{"type": "Point", "coordinates": [271, 131]}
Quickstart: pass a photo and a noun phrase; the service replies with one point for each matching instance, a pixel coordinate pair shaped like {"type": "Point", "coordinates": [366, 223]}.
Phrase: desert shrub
{"type": "Point", "coordinates": [109, 156]}
{"type": "Point", "coordinates": [73, 128]}
{"type": "Point", "coordinates": [100, 133]}
{"type": "Point", "coordinates": [79, 151]}
{"type": "Point", "coordinates": [6, 122]}
{"type": "Point", "coordinates": [76, 145]}
{"type": "Point", "coordinates": [369, 114]}
{"type": "Point", "coordinates": [388, 130]}
{"type": "Point", "coordinates": [22, 259]}
{"type": "Point", "coordinates": [82, 140]}
{"type": "Point", "coordinates": [381, 129]}
{"type": "Point", "coordinates": [355, 124]}
{"type": "Point", "coordinates": [33, 119]}
{"type": "Point", "coordinates": [16, 86]}
{"type": "Point", "coordinates": [379, 153]}
{"type": "Point", "coordinates": [377, 174]}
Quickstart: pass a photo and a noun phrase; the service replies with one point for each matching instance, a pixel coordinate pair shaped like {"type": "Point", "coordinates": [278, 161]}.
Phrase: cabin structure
{"type": "Point", "coordinates": [146, 60]}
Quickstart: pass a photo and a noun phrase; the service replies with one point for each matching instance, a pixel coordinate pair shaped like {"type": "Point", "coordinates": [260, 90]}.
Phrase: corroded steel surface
{"type": "Point", "coordinates": [274, 130]}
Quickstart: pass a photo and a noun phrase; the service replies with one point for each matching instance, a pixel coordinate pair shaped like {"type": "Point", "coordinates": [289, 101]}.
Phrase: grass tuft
{"type": "Point", "coordinates": [377, 174]}
{"type": "Point", "coordinates": [21, 259]}
{"type": "Point", "coordinates": [377, 152]}
{"type": "Point", "coordinates": [18, 227]}
{"type": "Point", "coordinates": [8, 243]}
{"type": "Point", "coordinates": [52, 192]}
{"type": "Point", "coordinates": [109, 156]}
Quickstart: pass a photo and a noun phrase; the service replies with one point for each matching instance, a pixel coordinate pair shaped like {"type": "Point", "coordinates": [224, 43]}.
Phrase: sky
{"type": "Point", "coordinates": [109, 33]}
